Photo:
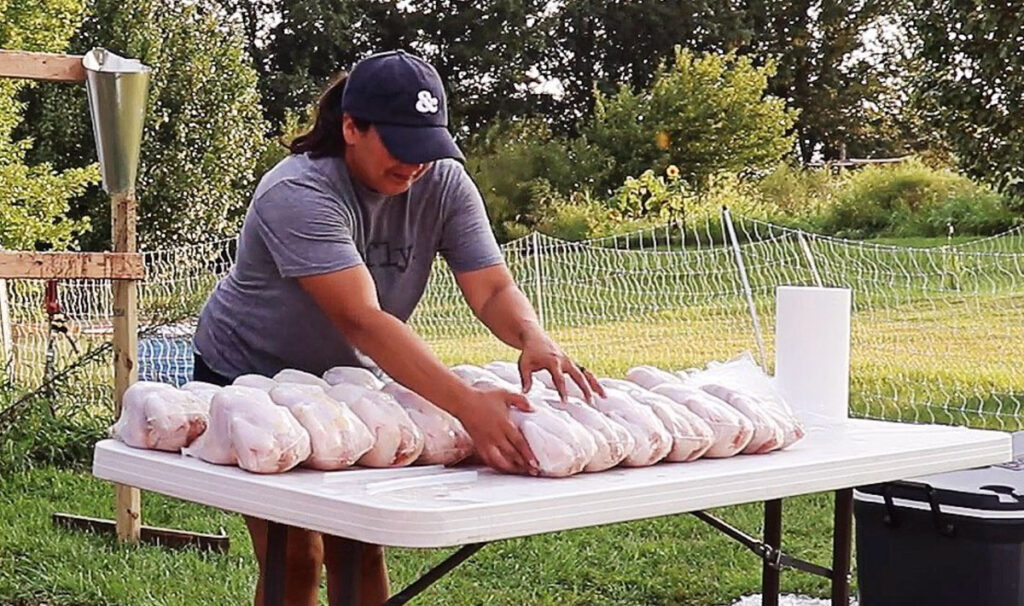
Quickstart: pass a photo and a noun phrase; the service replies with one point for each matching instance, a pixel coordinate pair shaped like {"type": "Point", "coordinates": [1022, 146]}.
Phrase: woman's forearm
{"type": "Point", "coordinates": [406, 358]}
{"type": "Point", "coordinates": [510, 316]}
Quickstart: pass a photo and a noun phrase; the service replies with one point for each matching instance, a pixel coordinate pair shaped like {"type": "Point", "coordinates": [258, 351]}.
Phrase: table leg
{"type": "Point", "coordinates": [273, 581]}
{"type": "Point", "coordinates": [842, 547]}
{"type": "Point", "coordinates": [351, 553]}
{"type": "Point", "coordinates": [773, 541]}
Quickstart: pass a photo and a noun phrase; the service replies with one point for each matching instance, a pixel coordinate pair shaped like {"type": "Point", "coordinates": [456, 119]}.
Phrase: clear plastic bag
{"type": "Point", "coordinates": [157, 416]}
{"type": "Point", "coordinates": [337, 437]}
{"type": "Point", "coordinates": [744, 384]}
{"type": "Point", "coordinates": [247, 429]}
{"type": "Point", "coordinates": [445, 440]}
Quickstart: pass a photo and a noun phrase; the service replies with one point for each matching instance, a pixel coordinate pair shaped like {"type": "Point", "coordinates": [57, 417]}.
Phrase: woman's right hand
{"type": "Point", "coordinates": [485, 415]}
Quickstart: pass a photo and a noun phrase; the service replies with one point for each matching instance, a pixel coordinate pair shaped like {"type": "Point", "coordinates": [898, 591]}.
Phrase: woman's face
{"type": "Point", "coordinates": [371, 163]}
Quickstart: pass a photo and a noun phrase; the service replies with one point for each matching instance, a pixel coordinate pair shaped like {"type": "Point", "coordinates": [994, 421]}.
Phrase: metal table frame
{"type": "Point", "coordinates": [774, 560]}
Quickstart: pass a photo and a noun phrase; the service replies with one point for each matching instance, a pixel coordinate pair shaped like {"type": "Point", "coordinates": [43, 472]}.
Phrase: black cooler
{"type": "Point", "coordinates": [953, 539]}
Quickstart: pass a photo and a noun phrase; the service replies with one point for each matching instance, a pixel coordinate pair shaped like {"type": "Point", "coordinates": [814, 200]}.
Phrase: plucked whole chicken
{"type": "Point", "coordinates": [337, 437]}
{"type": "Point", "coordinates": [690, 433]}
{"type": "Point", "coordinates": [650, 377]}
{"type": "Point", "coordinates": [201, 389]}
{"type": "Point", "coordinates": [160, 417]}
{"type": "Point", "coordinates": [733, 431]}
{"type": "Point", "coordinates": [398, 441]}
{"type": "Point", "coordinates": [470, 373]}
{"type": "Point", "coordinates": [653, 440]}
{"type": "Point", "coordinates": [742, 379]}
{"type": "Point", "coordinates": [782, 430]}
{"type": "Point", "coordinates": [571, 388]}
{"type": "Point", "coordinates": [614, 442]}
{"type": "Point", "coordinates": [248, 429]}
{"type": "Point", "coordinates": [561, 446]}
{"type": "Point", "coordinates": [353, 376]}
{"type": "Point", "coordinates": [506, 371]}
{"type": "Point", "coordinates": [692, 437]}
{"type": "Point", "coordinates": [290, 375]}
{"type": "Point", "coordinates": [445, 440]}
{"type": "Point", "coordinates": [256, 382]}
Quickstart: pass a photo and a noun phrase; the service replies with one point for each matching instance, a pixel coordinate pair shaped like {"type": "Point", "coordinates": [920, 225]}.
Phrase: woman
{"type": "Point", "coordinates": [332, 259]}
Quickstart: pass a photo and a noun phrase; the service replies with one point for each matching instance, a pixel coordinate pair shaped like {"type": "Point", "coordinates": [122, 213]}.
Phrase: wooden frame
{"type": "Point", "coordinates": [68, 265]}
{"type": "Point", "coordinates": [124, 266]}
{"type": "Point", "coordinates": [51, 67]}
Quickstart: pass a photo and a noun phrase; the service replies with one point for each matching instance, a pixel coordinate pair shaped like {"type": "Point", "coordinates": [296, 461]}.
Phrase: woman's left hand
{"type": "Point", "coordinates": [540, 352]}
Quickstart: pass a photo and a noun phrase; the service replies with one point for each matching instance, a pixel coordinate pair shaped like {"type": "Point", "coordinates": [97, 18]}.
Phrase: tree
{"type": "Point", "coordinates": [704, 114]}
{"type": "Point", "coordinates": [970, 84]}
{"type": "Point", "coordinates": [483, 49]}
{"type": "Point", "coordinates": [486, 51]}
{"type": "Point", "coordinates": [34, 197]}
{"type": "Point", "coordinates": [204, 130]}
{"type": "Point", "coordinates": [824, 69]}
{"type": "Point", "coordinates": [603, 44]}
{"type": "Point", "coordinates": [311, 41]}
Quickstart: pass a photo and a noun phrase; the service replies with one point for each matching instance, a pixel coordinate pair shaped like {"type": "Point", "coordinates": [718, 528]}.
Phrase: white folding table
{"type": "Point", "coordinates": [441, 507]}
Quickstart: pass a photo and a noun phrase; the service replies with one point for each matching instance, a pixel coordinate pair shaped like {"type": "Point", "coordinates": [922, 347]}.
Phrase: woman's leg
{"type": "Point", "coordinates": [304, 556]}
{"type": "Point", "coordinates": [304, 551]}
{"type": "Point", "coordinates": [373, 573]}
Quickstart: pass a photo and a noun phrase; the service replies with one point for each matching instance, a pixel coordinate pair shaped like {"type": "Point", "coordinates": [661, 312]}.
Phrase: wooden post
{"type": "Point", "coordinates": [126, 351]}
{"type": "Point", "coordinates": [6, 335]}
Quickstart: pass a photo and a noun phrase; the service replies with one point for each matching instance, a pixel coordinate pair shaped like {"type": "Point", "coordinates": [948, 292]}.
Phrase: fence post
{"type": "Point", "coordinates": [6, 335]}
{"type": "Point", "coordinates": [538, 278]}
{"type": "Point", "coordinates": [810, 258]}
{"type": "Point", "coordinates": [738, 255]}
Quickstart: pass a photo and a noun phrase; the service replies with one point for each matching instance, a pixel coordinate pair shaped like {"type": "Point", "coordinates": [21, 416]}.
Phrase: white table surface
{"type": "Point", "coordinates": [437, 507]}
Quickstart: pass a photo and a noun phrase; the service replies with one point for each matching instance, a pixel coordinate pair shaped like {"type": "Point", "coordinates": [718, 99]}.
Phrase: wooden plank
{"type": "Point", "coordinates": [67, 265]}
{"type": "Point", "coordinates": [52, 67]}
{"type": "Point", "coordinates": [155, 535]}
{"type": "Point", "coordinates": [126, 352]}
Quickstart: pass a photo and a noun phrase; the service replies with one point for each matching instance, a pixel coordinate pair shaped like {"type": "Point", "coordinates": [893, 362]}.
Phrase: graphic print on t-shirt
{"type": "Point", "coordinates": [383, 254]}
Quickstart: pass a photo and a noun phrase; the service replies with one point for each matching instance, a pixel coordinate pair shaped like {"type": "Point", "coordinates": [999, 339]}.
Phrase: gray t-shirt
{"type": "Point", "coordinates": [308, 217]}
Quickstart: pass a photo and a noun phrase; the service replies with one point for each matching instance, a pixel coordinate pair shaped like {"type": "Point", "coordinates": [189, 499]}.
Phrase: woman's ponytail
{"type": "Point", "coordinates": [325, 137]}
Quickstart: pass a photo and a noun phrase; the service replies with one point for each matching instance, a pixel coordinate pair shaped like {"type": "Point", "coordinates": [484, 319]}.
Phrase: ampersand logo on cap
{"type": "Point", "coordinates": [427, 103]}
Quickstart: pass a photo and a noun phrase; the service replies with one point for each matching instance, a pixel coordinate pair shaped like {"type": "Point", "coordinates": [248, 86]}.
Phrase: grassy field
{"type": "Point", "coordinates": [937, 337]}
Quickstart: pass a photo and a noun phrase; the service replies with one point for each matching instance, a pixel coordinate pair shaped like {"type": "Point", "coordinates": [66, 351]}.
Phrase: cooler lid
{"type": "Point", "coordinates": [996, 488]}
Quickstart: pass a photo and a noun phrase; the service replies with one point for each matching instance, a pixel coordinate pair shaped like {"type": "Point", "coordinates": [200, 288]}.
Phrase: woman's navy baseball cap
{"type": "Point", "coordinates": [403, 97]}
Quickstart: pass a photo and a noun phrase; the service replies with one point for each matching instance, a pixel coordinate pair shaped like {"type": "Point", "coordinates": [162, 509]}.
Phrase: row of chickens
{"type": "Point", "coordinates": [349, 417]}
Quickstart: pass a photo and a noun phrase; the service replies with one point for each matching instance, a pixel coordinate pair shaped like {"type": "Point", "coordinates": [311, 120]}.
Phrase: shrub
{"type": "Point", "coordinates": [799, 193]}
{"type": "Point", "coordinates": [518, 165]}
{"type": "Point", "coordinates": [581, 216]}
{"type": "Point", "coordinates": [912, 199]}
{"type": "Point", "coordinates": [36, 436]}
{"type": "Point", "coordinates": [653, 201]}
{"type": "Point", "coordinates": [704, 114]}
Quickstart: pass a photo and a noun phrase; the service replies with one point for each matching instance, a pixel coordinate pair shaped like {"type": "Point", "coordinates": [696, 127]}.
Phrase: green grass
{"type": "Point", "coordinates": [924, 241]}
{"type": "Point", "coordinates": [672, 560]}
